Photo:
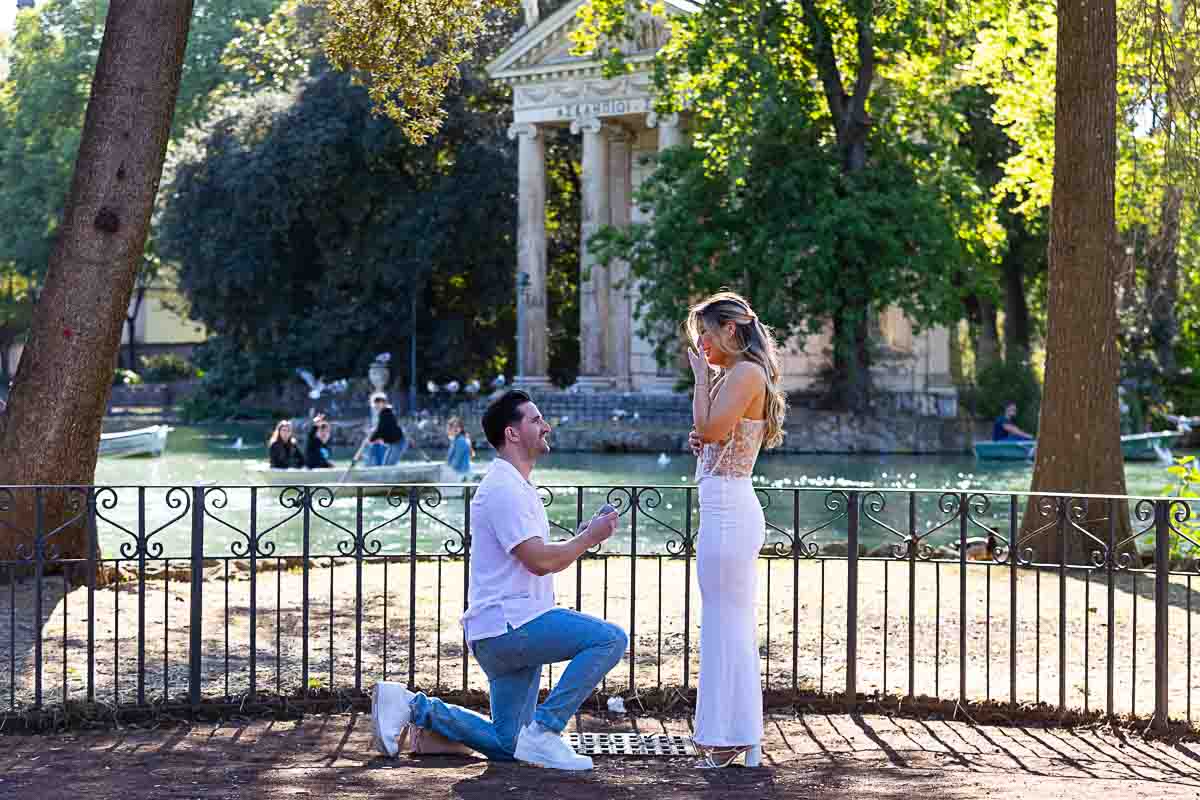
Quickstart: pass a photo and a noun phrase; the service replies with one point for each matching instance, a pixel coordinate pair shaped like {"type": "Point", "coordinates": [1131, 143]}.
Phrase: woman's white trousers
{"type": "Point", "coordinates": [732, 531]}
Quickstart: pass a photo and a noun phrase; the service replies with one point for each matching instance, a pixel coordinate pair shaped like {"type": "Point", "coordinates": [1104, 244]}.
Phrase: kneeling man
{"type": "Point", "coordinates": [512, 625]}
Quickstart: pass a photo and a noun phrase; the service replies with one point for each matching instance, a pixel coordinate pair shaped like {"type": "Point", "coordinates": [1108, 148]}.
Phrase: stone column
{"type": "Point", "coordinates": [593, 289]}
{"type": "Point", "coordinates": [531, 254]}
{"type": "Point", "coordinates": [620, 310]}
{"type": "Point", "coordinates": [669, 133]}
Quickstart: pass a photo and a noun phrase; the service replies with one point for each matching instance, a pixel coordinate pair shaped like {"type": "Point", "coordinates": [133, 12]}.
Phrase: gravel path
{"type": "Point", "coordinates": [817, 592]}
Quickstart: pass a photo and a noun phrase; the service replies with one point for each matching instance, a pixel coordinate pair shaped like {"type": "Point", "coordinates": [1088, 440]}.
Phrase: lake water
{"type": "Point", "coordinates": [797, 488]}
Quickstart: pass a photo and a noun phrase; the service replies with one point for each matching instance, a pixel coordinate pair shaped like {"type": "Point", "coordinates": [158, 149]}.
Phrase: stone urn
{"type": "Point", "coordinates": [378, 374]}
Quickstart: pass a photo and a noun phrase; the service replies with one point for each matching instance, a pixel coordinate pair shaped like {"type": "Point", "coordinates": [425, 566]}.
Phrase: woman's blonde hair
{"type": "Point", "coordinates": [754, 342]}
{"type": "Point", "coordinates": [275, 434]}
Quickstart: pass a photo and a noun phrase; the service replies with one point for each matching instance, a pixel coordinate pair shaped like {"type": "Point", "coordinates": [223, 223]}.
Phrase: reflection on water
{"type": "Point", "coordinates": [796, 490]}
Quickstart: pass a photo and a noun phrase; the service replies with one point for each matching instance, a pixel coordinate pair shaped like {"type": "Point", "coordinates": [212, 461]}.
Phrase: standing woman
{"type": "Point", "coordinates": [738, 408]}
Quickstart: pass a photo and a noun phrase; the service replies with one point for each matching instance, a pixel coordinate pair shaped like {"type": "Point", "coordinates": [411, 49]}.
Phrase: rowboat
{"type": "Point", "coordinates": [374, 480]}
{"type": "Point", "coordinates": [1153, 446]}
{"type": "Point", "coordinates": [1005, 450]}
{"type": "Point", "coordinates": [139, 442]}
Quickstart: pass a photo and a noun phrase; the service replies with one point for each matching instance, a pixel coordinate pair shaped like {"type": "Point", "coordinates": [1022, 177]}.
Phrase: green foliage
{"type": "Point", "coordinates": [166, 367]}
{"type": "Point", "coordinates": [1158, 138]}
{"type": "Point", "coordinates": [804, 241]}
{"type": "Point", "coordinates": [275, 51]}
{"type": "Point", "coordinates": [818, 197]}
{"type": "Point", "coordinates": [53, 56]}
{"type": "Point", "coordinates": [126, 377]}
{"type": "Point", "coordinates": [1185, 478]}
{"type": "Point", "coordinates": [409, 52]}
{"type": "Point", "coordinates": [1004, 382]}
{"type": "Point", "coordinates": [1014, 57]}
{"type": "Point", "coordinates": [303, 225]}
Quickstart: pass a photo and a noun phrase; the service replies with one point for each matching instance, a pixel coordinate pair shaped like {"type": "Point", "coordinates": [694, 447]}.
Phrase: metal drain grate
{"type": "Point", "coordinates": [631, 744]}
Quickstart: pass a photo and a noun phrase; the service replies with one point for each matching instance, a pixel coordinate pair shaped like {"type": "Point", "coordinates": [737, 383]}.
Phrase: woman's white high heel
{"type": "Point", "coordinates": [722, 757]}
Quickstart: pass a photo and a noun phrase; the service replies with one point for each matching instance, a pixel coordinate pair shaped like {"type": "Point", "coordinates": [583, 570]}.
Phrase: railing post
{"type": "Point", "coordinates": [92, 567]}
{"type": "Point", "coordinates": [197, 598]}
{"type": "Point", "coordinates": [39, 568]}
{"type": "Point", "coordinates": [852, 600]}
{"type": "Point", "coordinates": [633, 589]}
{"type": "Point", "coordinates": [1162, 568]}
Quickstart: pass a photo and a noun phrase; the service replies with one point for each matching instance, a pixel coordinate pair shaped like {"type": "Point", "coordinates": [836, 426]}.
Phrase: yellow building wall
{"type": "Point", "coordinates": [159, 324]}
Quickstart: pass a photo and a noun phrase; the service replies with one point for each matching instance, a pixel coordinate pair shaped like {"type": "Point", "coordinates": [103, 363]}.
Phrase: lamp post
{"type": "Point", "coordinates": [522, 288]}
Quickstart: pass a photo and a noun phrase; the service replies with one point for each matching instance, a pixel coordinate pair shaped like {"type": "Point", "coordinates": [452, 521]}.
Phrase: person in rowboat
{"type": "Point", "coordinates": [283, 449]}
{"type": "Point", "coordinates": [458, 457]}
{"type": "Point", "coordinates": [317, 447]}
{"type": "Point", "coordinates": [1004, 428]}
{"type": "Point", "coordinates": [386, 442]}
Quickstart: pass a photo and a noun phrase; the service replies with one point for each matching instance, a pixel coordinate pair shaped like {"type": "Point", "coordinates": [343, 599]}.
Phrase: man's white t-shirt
{"type": "Point", "coordinates": [505, 511]}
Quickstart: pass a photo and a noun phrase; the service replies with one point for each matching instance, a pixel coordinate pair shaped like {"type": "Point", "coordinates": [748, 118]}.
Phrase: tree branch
{"type": "Point", "coordinates": [826, 62]}
{"type": "Point", "coordinates": [865, 26]}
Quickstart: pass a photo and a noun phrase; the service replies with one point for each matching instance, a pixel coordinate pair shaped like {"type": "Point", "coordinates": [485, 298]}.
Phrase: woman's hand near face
{"type": "Point", "coordinates": [698, 360]}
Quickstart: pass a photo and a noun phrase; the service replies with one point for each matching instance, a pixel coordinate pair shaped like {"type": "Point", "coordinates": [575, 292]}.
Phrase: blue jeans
{"type": "Point", "coordinates": [513, 663]}
{"type": "Point", "coordinates": [379, 455]}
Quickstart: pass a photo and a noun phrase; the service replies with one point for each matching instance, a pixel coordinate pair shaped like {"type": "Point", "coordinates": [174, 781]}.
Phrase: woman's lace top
{"type": "Point", "coordinates": [734, 457]}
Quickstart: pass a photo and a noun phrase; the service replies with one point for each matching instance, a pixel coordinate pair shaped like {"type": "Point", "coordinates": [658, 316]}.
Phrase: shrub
{"type": "Point", "coordinates": [126, 377]}
{"type": "Point", "coordinates": [166, 367]}
{"type": "Point", "coordinates": [1004, 382]}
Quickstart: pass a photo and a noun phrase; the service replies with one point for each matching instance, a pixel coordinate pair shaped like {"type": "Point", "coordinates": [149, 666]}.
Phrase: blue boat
{"type": "Point", "coordinates": [1155, 446]}
{"type": "Point", "coordinates": [1005, 450]}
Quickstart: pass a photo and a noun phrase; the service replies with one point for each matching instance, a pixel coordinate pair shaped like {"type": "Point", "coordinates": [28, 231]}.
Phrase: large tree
{"type": "Point", "coordinates": [1079, 448]}
{"type": "Point", "coordinates": [50, 432]}
{"type": "Point", "coordinates": [1158, 153]}
{"type": "Point", "coordinates": [349, 241]}
{"type": "Point", "coordinates": [833, 183]}
{"type": "Point", "coordinates": [42, 105]}
{"type": "Point", "coordinates": [320, 271]}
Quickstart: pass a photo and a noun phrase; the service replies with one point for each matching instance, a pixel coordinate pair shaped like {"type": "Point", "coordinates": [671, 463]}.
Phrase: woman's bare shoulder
{"type": "Point", "coordinates": [749, 372]}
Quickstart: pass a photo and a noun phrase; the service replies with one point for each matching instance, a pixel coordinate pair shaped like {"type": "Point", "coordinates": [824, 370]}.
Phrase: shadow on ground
{"type": "Point", "coordinates": [826, 756]}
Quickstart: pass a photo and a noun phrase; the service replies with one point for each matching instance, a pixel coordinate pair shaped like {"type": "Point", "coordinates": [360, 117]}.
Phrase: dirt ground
{"type": "Point", "coordinates": [814, 756]}
{"type": "Point", "coordinates": [804, 609]}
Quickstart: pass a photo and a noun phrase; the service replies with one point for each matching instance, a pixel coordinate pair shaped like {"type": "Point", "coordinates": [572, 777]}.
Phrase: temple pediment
{"type": "Point", "coordinates": [544, 52]}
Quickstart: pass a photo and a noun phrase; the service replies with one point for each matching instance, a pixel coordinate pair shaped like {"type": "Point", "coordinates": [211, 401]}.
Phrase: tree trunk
{"type": "Point", "coordinates": [851, 388]}
{"type": "Point", "coordinates": [131, 326]}
{"type": "Point", "coordinates": [1079, 449]}
{"type": "Point", "coordinates": [985, 335]}
{"type": "Point", "coordinates": [851, 385]}
{"type": "Point", "coordinates": [958, 371]}
{"type": "Point", "coordinates": [51, 432]}
{"type": "Point", "coordinates": [6, 343]}
{"type": "Point", "coordinates": [1162, 282]}
{"type": "Point", "coordinates": [1017, 338]}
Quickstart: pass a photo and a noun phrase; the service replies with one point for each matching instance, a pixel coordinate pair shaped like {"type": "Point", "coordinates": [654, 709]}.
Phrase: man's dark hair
{"type": "Point", "coordinates": [502, 412]}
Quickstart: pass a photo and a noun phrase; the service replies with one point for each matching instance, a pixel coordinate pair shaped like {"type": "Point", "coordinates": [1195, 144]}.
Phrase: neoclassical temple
{"type": "Point", "coordinates": [621, 134]}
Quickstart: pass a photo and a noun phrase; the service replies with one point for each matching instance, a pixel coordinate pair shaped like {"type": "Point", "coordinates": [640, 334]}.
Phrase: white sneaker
{"type": "Point", "coordinates": [390, 713]}
{"type": "Point", "coordinates": [544, 748]}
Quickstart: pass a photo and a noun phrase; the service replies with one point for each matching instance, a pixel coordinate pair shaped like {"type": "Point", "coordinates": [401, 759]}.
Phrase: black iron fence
{"type": "Point", "coordinates": [177, 596]}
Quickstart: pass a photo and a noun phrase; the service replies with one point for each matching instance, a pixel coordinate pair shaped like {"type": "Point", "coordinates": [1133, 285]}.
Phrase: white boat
{"type": "Point", "coordinates": [150, 441]}
{"type": "Point", "coordinates": [382, 479]}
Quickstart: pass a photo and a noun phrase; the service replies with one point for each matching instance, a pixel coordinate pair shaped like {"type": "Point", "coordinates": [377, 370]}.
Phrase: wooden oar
{"type": "Point", "coordinates": [353, 461]}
